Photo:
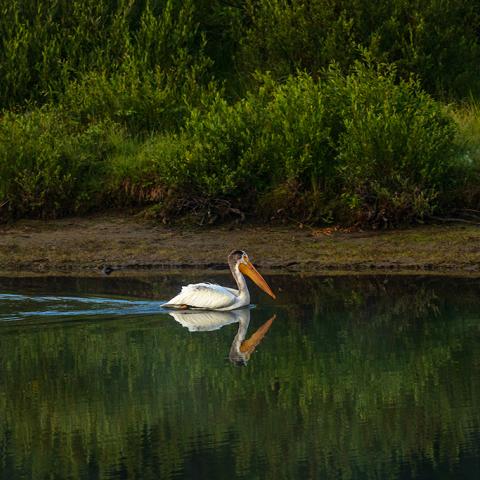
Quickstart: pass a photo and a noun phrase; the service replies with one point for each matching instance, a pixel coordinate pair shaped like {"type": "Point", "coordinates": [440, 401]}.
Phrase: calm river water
{"type": "Point", "coordinates": [341, 378]}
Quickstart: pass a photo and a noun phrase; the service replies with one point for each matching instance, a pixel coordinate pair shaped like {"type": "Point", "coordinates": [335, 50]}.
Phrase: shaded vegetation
{"type": "Point", "coordinates": [321, 111]}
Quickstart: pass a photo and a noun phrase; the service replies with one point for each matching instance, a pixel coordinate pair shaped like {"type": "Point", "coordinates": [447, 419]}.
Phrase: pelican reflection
{"type": "Point", "coordinates": [208, 320]}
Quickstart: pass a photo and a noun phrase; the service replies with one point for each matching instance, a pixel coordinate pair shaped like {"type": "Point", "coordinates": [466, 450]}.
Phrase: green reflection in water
{"type": "Point", "coordinates": [356, 378]}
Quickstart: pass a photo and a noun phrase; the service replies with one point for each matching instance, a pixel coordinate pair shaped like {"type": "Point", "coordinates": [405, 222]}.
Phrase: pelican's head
{"type": "Point", "coordinates": [238, 258]}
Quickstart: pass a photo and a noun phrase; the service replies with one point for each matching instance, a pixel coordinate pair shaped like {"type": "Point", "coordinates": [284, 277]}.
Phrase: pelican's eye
{"type": "Point", "coordinates": [245, 258]}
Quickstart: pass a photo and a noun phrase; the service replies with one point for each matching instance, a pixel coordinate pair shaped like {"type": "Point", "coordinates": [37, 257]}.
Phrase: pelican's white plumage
{"type": "Point", "coordinates": [215, 297]}
{"type": "Point", "coordinates": [209, 296]}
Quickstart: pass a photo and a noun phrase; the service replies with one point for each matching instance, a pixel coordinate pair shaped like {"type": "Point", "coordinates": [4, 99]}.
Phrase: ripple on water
{"type": "Point", "coordinates": [14, 307]}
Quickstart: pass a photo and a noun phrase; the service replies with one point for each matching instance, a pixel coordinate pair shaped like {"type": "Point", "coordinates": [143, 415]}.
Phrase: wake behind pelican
{"type": "Point", "coordinates": [20, 307]}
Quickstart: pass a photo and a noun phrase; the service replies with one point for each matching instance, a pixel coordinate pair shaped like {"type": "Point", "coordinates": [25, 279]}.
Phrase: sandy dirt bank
{"type": "Point", "coordinates": [84, 246]}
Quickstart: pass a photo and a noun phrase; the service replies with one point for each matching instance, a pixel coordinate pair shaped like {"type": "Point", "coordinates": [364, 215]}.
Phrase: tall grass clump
{"type": "Point", "coordinates": [146, 174]}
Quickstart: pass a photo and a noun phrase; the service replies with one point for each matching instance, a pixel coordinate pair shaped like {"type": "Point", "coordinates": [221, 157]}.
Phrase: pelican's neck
{"type": "Point", "coordinates": [240, 280]}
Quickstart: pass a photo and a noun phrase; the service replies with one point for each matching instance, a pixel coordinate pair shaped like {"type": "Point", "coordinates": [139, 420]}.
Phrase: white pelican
{"type": "Point", "coordinates": [215, 297]}
{"type": "Point", "coordinates": [202, 321]}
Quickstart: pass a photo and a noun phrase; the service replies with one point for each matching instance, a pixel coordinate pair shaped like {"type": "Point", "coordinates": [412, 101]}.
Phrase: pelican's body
{"type": "Point", "coordinates": [215, 297]}
{"type": "Point", "coordinates": [210, 296]}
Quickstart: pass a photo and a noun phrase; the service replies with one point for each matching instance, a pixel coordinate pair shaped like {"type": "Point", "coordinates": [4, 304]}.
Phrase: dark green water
{"type": "Point", "coordinates": [355, 378]}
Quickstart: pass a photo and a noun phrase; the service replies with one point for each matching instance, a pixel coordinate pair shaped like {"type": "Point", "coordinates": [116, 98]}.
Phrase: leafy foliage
{"type": "Point", "coordinates": [313, 110]}
{"type": "Point", "coordinates": [436, 41]}
{"type": "Point", "coordinates": [50, 167]}
{"type": "Point", "coordinates": [358, 148]}
{"type": "Point", "coordinates": [48, 44]}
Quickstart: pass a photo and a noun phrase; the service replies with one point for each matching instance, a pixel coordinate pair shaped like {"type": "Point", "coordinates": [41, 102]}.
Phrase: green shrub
{"type": "Point", "coordinates": [235, 153]}
{"type": "Point", "coordinates": [464, 196]}
{"type": "Point", "coordinates": [159, 100]}
{"type": "Point", "coordinates": [47, 44]}
{"type": "Point", "coordinates": [145, 173]}
{"type": "Point", "coordinates": [436, 41]}
{"type": "Point", "coordinates": [363, 148]}
{"type": "Point", "coordinates": [396, 152]}
{"type": "Point", "coordinates": [358, 148]}
{"type": "Point", "coordinates": [49, 167]}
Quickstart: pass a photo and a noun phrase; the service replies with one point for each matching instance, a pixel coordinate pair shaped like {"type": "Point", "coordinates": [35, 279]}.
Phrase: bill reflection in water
{"type": "Point", "coordinates": [206, 321]}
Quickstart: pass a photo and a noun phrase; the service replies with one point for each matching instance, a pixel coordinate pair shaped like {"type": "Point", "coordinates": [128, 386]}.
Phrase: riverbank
{"type": "Point", "coordinates": [85, 246]}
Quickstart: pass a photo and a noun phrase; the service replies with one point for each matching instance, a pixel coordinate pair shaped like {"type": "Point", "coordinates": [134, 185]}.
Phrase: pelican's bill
{"type": "Point", "coordinates": [250, 271]}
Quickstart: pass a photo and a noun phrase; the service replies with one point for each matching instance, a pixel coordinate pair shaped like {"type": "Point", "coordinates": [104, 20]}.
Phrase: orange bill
{"type": "Point", "coordinates": [250, 271]}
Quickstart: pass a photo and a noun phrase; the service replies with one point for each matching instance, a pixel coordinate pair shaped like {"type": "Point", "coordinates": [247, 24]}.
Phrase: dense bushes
{"type": "Point", "coordinates": [358, 148]}
{"type": "Point", "coordinates": [308, 110]}
{"type": "Point", "coordinates": [48, 43]}
{"type": "Point", "coordinates": [49, 166]}
{"type": "Point", "coordinates": [435, 40]}
{"type": "Point", "coordinates": [396, 152]}
{"type": "Point", "coordinates": [142, 103]}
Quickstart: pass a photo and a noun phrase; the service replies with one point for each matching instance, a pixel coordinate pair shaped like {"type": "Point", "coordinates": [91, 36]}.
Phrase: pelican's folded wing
{"type": "Point", "coordinates": [204, 295]}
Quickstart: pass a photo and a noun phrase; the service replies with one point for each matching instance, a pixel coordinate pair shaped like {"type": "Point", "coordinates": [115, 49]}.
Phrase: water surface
{"type": "Point", "coordinates": [342, 378]}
